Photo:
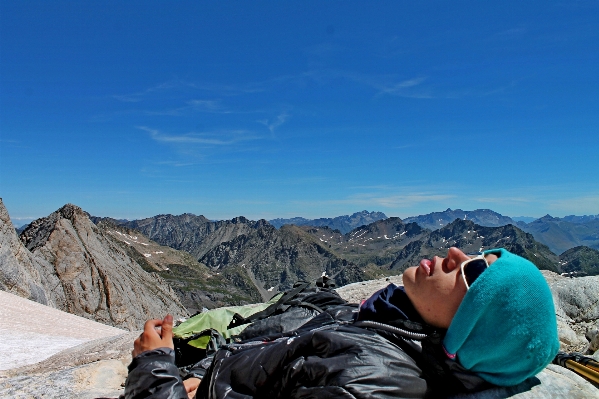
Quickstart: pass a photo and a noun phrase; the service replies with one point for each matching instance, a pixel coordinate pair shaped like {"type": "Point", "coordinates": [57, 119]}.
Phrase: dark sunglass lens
{"type": "Point", "coordinates": [473, 269]}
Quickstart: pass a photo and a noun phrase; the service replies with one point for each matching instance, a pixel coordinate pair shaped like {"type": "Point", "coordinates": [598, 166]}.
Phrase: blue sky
{"type": "Point", "coordinates": [315, 109]}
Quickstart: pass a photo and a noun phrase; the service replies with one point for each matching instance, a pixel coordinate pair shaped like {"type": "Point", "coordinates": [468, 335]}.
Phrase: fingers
{"type": "Point", "coordinates": [167, 327]}
{"type": "Point", "coordinates": [151, 338]}
{"type": "Point", "coordinates": [152, 324]}
{"type": "Point", "coordinates": [191, 384]}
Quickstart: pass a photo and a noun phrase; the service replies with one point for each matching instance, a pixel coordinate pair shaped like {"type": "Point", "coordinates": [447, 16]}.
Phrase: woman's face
{"type": "Point", "coordinates": [436, 287]}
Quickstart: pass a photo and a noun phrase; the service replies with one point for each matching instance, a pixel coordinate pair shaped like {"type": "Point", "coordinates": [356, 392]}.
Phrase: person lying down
{"type": "Point", "coordinates": [459, 324]}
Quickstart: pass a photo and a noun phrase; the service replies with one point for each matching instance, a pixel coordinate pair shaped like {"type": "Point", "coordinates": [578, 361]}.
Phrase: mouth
{"type": "Point", "coordinates": [427, 266]}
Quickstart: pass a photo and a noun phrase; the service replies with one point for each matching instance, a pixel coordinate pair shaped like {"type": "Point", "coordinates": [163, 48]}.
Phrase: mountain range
{"type": "Point", "coordinates": [121, 272]}
{"type": "Point", "coordinates": [344, 223]}
{"type": "Point", "coordinates": [559, 234]}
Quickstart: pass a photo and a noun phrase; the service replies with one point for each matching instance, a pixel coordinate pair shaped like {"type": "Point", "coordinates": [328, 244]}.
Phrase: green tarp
{"type": "Point", "coordinates": [218, 319]}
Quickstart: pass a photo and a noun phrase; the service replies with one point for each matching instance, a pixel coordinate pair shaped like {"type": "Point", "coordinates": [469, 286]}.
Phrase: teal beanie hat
{"type": "Point", "coordinates": [505, 328]}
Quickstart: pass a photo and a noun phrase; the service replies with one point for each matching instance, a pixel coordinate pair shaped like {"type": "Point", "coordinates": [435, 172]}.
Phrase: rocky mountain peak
{"type": "Point", "coordinates": [70, 211]}
{"type": "Point", "coordinates": [82, 270]}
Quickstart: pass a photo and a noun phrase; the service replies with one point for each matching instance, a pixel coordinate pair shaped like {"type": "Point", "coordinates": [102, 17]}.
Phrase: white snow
{"type": "Point", "coordinates": [147, 255]}
{"type": "Point", "coordinates": [143, 243]}
{"type": "Point", "coordinates": [127, 242]}
{"type": "Point", "coordinates": [32, 332]}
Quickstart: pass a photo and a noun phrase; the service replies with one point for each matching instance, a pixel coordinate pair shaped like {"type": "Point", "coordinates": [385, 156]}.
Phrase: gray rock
{"type": "Point", "coordinates": [22, 273]}
{"type": "Point", "coordinates": [577, 308]}
{"type": "Point", "coordinates": [68, 263]}
{"type": "Point", "coordinates": [553, 382]}
{"type": "Point", "coordinates": [90, 370]}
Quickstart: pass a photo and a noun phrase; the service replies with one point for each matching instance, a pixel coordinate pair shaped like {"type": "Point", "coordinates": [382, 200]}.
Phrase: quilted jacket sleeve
{"type": "Point", "coordinates": [153, 374]}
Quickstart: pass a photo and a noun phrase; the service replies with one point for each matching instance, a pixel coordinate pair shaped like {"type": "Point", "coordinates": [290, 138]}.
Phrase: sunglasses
{"type": "Point", "coordinates": [472, 268]}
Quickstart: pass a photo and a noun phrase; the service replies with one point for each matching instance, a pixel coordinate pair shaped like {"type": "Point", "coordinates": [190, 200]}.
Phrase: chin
{"type": "Point", "coordinates": [409, 276]}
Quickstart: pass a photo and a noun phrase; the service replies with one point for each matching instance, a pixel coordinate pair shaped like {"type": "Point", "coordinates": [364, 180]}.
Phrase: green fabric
{"type": "Point", "coordinates": [505, 329]}
{"type": "Point", "coordinates": [218, 319]}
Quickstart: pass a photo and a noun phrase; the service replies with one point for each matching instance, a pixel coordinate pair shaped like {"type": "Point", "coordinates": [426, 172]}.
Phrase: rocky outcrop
{"type": "Point", "coordinates": [577, 309]}
{"type": "Point", "coordinates": [23, 273]}
{"type": "Point", "coordinates": [67, 262]}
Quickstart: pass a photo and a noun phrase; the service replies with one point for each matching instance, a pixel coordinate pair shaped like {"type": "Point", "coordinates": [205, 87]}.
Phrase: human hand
{"type": "Point", "coordinates": [151, 338]}
{"type": "Point", "coordinates": [191, 386]}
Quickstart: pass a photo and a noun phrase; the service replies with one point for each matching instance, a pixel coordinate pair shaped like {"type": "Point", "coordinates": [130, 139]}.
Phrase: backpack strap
{"type": "Point", "coordinates": [278, 305]}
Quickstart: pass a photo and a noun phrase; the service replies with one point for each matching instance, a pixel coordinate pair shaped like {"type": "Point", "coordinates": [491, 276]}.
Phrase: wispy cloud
{"type": "Point", "coordinates": [576, 205]}
{"type": "Point", "coordinates": [140, 95]}
{"type": "Point", "coordinates": [398, 200]}
{"type": "Point", "coordinates": [393, 201]}
{"type": "Point", "coordinates": [219, 138]}
{"type": "Point", "coordinates": [272, 125]}
{"type": "Point", "coordinates": [500, 200]}
{"type": "Point", "coordinates": [405, 88]}
{"type": "Point", "coordinates": [193, 106]}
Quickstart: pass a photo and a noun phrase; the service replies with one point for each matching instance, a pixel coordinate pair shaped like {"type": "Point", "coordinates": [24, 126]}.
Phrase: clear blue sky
{"type": "Point", "coordinates": [299, 108]}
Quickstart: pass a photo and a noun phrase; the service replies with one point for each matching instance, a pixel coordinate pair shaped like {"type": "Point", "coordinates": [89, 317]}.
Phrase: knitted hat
{"type": "Point", "coordinates": [505, 328]}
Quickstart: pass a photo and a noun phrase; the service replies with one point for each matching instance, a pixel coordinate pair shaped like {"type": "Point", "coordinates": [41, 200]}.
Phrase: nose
{"type": "Point", "coordinates": [454, 258]}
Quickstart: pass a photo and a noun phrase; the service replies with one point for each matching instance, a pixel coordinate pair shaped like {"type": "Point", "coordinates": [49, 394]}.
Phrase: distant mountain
{"type": "Point", "coordinates": [560, 234]}
{"type": "Point", "coordinates": [225, 247]}
{"type": "Point", "coordinates": [344, 224]}
{"type": "Point", "coordinates": [525, 219]}
{"type": "Point", "coordinates": [580, 219]}
{"type": "Point", "coordinates": [196, 285]}
{"type": "Point", "coordinates": [191, 233]}
{"type": "Point", "coordinates": [375, 244]}
{"type": "Point", "coordinates": [270, 260]}
{"type": "Point", "coordinates": [482, 217]}
{"type": "Point", "coordinates": [580, 260]}
{"type": "Point", "coordinates": [394, 245]}
{"type": "Point", "coordinates": [84, 271]}
{"type": "Point", "coordinates": [470, 237]}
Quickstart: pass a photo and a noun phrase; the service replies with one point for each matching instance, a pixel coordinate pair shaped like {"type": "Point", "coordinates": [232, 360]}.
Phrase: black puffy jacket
{"type": "Point", "coordinates": [330, 357]}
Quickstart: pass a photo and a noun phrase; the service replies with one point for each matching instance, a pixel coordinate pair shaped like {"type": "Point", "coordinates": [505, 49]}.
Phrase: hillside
{"type": "Point", "coordinates": [268, 260]}
{"type": "Point", "coordinates": [563, 234]}
{"type": "Point", "coordinates": [196, 285]}
{"type": "Point", "coordinates": [581, 261]}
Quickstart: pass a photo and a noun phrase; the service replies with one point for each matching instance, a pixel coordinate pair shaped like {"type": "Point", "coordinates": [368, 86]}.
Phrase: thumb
{"type": "Point", "coordinates": [167, 327]}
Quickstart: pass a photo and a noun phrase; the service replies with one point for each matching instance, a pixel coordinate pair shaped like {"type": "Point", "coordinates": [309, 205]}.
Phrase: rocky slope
{"type": "Point", "coordinates": [196, 285]}
{"type": "Point", "coordinates": [268, 260]}
{"type": "Point", "coordinates": [23, 273]}
{"type": "Point", "coordinates": [580, 261]}
{"type": "Point", "coordinates": [193, 234]}
{"type": "Point", "coordinates": [372, 247]}
{"type": "Point", "coordinates": [84, 271]}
